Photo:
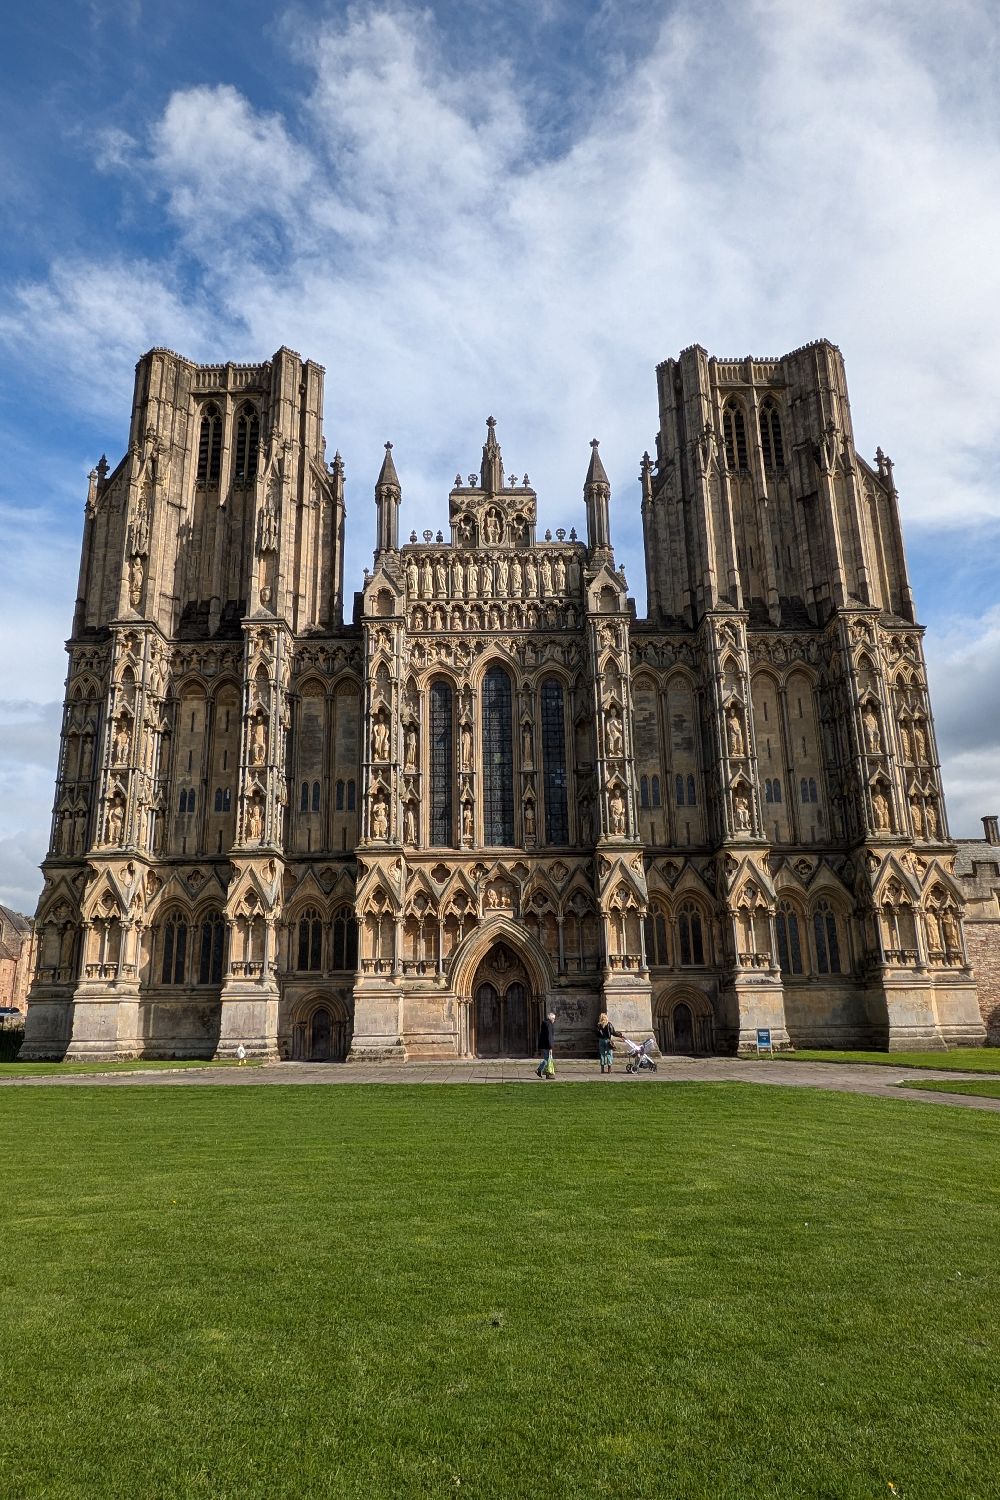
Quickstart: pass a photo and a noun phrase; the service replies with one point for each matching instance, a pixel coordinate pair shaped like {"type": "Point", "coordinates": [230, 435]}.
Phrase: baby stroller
{"type": "Point", "coordinates": [640, 1056]}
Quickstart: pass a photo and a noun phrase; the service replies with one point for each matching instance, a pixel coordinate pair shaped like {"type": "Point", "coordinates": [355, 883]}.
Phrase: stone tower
{"type": "Point", "coordinates": [494, 791]}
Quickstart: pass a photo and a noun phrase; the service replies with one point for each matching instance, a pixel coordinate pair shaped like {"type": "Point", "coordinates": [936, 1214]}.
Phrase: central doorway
{"type": "Point", "coordinates": [504, 1012]}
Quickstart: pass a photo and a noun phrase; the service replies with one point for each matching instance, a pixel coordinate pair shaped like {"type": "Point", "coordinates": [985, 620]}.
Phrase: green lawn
{"type": "Point", "coordinates": [985, 1088]}
{"type": "Point", "coordinates": [44, 1069]}
{"type": "Point", "coordinates": [957, 1060]}
{"type": "Point", "coordinates": [423, 1290]}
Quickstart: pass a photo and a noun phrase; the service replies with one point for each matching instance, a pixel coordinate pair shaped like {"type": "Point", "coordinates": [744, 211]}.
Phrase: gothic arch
{"type": "Point", "coordinates": [474, 948]}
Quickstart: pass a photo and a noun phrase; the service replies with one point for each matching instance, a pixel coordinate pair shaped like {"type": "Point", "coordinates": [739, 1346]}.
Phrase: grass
{"type": "Point", "coordinates": [423, 1290]}
{"type": "Point", "coordinates": [957, 1060]}
{"type": "Point", "coordinates": [983, 1088]}
{"type": "Point", "coordinates": [137, 1065]}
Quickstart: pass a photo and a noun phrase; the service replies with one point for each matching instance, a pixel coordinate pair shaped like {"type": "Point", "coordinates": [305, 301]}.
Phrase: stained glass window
{"type": "Point", "coordinates": [441, 764]}
{"type": "Point", "coordinates": [498, 759]}
{"type": "Point", "coordinates": [789, 944]}
{"type": "Point", "coordinates": [213, 939]}
{"type": "Point", "coordinates": [554, 758]}
{"type": "Point", "coordinates": [174, 950]}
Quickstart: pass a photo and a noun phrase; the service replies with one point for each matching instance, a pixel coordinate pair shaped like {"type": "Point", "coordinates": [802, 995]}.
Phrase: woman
{"type": "Point", "coordinates": [605, 1032]}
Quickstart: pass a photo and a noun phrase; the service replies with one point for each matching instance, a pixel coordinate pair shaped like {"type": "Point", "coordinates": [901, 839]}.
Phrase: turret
{"type": "Point", "coordinates": [387, 498]}
{"type": "Point", "coordinates": [597, 497]}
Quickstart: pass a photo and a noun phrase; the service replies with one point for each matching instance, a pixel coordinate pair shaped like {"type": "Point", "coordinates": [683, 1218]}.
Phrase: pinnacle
{"type": "Point", "coordinates": [596, 474]}
{"type": "Point", "coordinates": [387, 474]}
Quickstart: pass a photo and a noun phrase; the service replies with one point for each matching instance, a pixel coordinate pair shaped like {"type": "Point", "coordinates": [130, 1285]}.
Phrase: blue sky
{"type": "Point", "coordinates": [519, 208]}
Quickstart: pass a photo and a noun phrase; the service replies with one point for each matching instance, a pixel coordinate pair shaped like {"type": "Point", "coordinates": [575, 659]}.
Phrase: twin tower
{"type": "Point", "coordinates": [495, 791]}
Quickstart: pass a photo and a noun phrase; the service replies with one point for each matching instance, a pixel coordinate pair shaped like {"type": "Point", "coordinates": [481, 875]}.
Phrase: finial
{"type": "Point", "coordinates": [388, 447]}
{"type": "Point", "coordinates": [491, 421]}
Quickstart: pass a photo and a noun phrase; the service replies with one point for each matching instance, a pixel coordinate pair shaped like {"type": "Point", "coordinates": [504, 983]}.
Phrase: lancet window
{"type": "Point", "coordinates": [498, 759]}
{"type": "Point", "coordinates": [310, 955]}
{"type": "Point", "coordinates": [247, 444]}
{"type": "Point", "coordinates": [211, 949]}
{"type": "Point", "coordinates": [734, 431]}
{"type": "Point", "coordinates": [690, 938]}
{"type": "Point", "coordinates": [554, 761]}
{"type": "Point", "coordinates": [770, 435]}
{"type": "Point", "coordinates": [345, 939]}
{"type": "Point", "coordinates": [210, 444]}
{"type": "Point", "coordinates": [827, 942]}
{"type": "Point", "coordinates": [175, 937]}
{"type": "Point", "coordinates": [789, 940]}
{"type": "Point", "coordinates": [442, 764]}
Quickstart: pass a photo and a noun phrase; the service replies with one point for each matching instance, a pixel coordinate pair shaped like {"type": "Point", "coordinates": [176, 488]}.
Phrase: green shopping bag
{"type": "Point", "coordinates": [550, 1069]}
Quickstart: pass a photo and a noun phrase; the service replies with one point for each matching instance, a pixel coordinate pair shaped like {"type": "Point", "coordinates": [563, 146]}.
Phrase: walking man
{"type": "Point", "coordinates": [546, 1038]}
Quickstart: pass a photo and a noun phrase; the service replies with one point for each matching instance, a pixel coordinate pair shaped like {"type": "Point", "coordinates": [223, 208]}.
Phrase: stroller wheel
{"type": "Point", "coordinates": [629, 1068]}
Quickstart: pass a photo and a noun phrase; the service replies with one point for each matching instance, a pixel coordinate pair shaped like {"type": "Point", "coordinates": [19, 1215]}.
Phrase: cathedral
{"type": "Point", "coordinates": [490, 788]}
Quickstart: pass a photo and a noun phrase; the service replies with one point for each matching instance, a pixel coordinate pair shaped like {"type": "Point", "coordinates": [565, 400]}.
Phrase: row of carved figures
{"type": "Point", "coordinates": [494, 617]}
{"type": "Point", "coordinates": [492, 577]}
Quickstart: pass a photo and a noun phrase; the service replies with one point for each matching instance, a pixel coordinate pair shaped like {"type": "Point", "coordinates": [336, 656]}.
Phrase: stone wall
{"type": "Point", "coordinates": [977, 867]}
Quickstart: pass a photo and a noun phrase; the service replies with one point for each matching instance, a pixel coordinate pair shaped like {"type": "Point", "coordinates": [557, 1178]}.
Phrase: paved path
{"type": "Point", "coordinates": [848, 1078]}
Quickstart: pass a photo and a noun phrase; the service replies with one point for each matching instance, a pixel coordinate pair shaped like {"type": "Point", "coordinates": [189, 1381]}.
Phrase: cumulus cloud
{"type": "Point", "coordinates": [454, 228]}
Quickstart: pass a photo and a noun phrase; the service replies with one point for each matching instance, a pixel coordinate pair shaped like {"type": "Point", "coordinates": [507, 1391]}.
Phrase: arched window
{"type": "Point", "coordinates": [310, 941]}
{"type": "Point", "coordinates": [679, 785]}
{"type": "Point", "coordinates": [182, 801]}
{"type": "Point", "coordinates": [218, 799]}
{"type": "Point", "coordinates": [692, 799]}
{"type": "Point", "coordinates": [247, 443]}
{"type": "Point", "coordinates": [209, 444]}
{"type": "Point", "coordinates": [692, 944]}
{"type": "Point", "coordinates": [776, 789]}
{"type": "Point", "coordinates": [227, 799]}
{"type": "Point", "coordinates": [734, 430]}
{"type": "Point", "coordinates": [770, 435]}
{"type": "Point", "coordinates": [304, 795]}
{"type": "Point", "coordinates": [657, 950]}
{"type": "Point", "coordinates": [643, 791]}
{"type": "Point", "coordinates": [498, 759]}
{"type": "Point", "coordinates": [441, 765]}
{"type": "Point", "coordinates": [804, 789]}
{"type": "Point", "coordinates": [812, 789]}
{"type": "Point", "coordinates": [345, 939]}
{"type": "Point", "coordinates": [827, 942]}
{"type": "Point", "coordinates": [315, 802]}
{"type": "Point", "coordinates": [339, 797]}
{"type": "Point", "coordinates": [789, 942]}
{"type": "Point", "coordinates": [767, 790]}
{"type": "Point", "coordinates": [211, 949]}
{"type": "Point", "coordinates": [175, 936]}
{"type": "Point", "coordinates": [554, 762]}
{"type": "Point", "coordinates": [657, 800]}
{"type": "Point", "coordinates": [350, 796]}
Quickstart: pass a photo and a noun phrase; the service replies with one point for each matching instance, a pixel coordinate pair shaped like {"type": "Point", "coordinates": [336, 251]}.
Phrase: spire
{"type": "Point", "coordinates": [491, 477]}
{"type": "Point", "coordinates": [387, 497]}
{"type": "Point", "coordinates": [387, 474]}
{"type": "Point", "coordinates": [597, 495]}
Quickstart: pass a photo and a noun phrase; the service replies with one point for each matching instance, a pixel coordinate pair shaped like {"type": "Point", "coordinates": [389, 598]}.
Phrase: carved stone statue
{"type": "Point", "coordinates": [529, 822]}
{"type": "Point", "coordinates": [115, 822]}
{"type": "Point", "coordinates": [873, 731]}
{"type": "Point", "coordinates": [734, 730]}
{"type": "Point", "coordinates": [486, 580]}
{"type": "Point", "coordinates": [546, 576]}
{"type": "Point", "coordinates": [741, 806]}
{"type": "Point", "coordinates": [410, 824]}
{"type": "Point", "coordinates": [515, 578]}
{"type": "Point", "coordinates": [440, 578]}
{"type": "Point", "coordinates": [255, 821]}
{"type": "Point", "coordinates": [613, 734]}
{"type": "Point", "coordinates": [136, 572]}
{"type": "Point", "coordinates": [467, 822]}
{"type": "Point", "coordinates": [917, 814]}
{"type": "Point", "coordinates": [616, 807]}
{"type": "Point", "coordinates": [906, 740]}
{"type": "Point", "coordinates": [380, 819]}
{"type": "Point", "coordinates": [380, 740]}
{"type": "Point", "coordinates": [426, 579]}
{"type": "Point", "coordinates": [880, 810]}
{"type": "Point", "coordinates": [410, 748]}
{"type": "Point", "coordinates": [472, 581]}
{"type": "Point", "coordinates": [258, 748]}
{"type": "Point", "coordinates": [933, 826]}
{"type": "Point", "coordinates": [920, 740]}
{"type": "Point", "coordinates": [952, 936]}
{"type": "Point", "coordinates": [502, 575]}
{"type": "Point", "coordinates": [412, 578]}
{"type": "Point", "coordinates": [526, 745]}
{"type": "Point", "coordinates": [123, 741]}
{"type": "Point", "coordinates": [466, 738]}
{"type": "Point", "coordinates": [531, 577]}
{"type": "Point", "coordinates": [457, 579]}
{"type": "Point", "coordinates": [492, 528]}
{"type": "Point", "coordinates": [559, 576]}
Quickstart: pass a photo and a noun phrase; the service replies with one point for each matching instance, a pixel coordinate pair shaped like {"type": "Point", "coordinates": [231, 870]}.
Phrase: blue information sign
{"type": "Point", "coordinates": [764, 1039]}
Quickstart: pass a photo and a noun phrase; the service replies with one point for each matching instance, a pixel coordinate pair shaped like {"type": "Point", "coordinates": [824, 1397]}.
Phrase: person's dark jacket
{"type": "Point", "coordinates": [546, 1035]}
{"type": "Point", "coordinates": [607, 1031]}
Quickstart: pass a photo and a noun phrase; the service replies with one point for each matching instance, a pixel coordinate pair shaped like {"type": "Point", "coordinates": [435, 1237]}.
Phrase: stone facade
{"type": "Point", "coordinates": [977, 867]}
{"type": "Point", "coordinates": [17, 958]}
{"type": "Point", "coordinates": [494, 789]}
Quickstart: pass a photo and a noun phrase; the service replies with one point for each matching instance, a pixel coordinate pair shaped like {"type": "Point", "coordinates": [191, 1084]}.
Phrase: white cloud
{"type": "Point", "coordinates": [761, 175]}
